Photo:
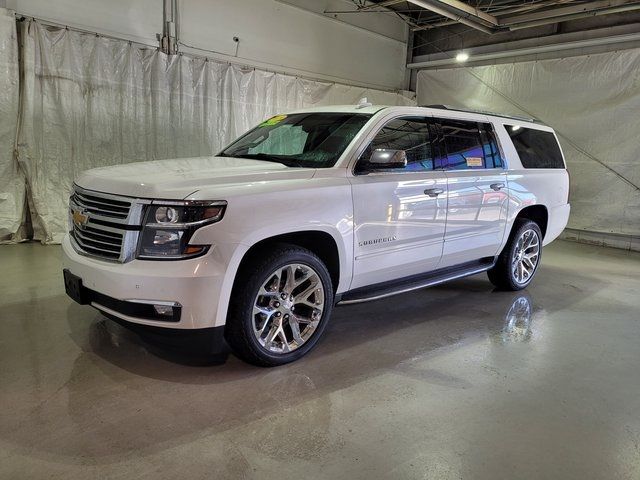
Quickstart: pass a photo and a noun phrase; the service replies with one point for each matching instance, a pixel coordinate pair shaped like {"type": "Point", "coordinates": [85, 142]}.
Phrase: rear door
{"type": "Point", "coordinates": [399, 215]}
{"type": "Point", "coordinates": [477, 191]}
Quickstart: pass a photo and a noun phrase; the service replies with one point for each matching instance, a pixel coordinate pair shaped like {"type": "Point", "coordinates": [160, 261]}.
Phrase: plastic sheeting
{"type": "Point", "coordinates": [12, 186]}
{"type": "Point", "coordinates": [593, 102]}
{"type": "Point", "coordinates": [92, 101]}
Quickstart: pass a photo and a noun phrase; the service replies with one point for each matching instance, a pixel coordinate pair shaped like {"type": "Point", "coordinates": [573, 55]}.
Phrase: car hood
{"type": "Point", "coordinates": [179, 178]}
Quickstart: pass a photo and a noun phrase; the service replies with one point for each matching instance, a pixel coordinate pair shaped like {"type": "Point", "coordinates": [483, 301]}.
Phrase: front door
{"type": "Point", "coordinates": [399, 214]}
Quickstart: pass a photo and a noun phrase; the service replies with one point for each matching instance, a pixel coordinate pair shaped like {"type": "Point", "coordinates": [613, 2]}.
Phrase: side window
{"type": "Point", "coordinates": [536, 148]}
{"type": "Point", "coordinates": [492, 156]}
{"type": "Point", "coordinates": [410, 134]}
{"type": "Point", "coordinates": [465, 149]}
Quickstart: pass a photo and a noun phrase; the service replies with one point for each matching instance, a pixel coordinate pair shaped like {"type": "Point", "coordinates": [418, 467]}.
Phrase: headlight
{"type": "Point", "coordinates": [168, 227]}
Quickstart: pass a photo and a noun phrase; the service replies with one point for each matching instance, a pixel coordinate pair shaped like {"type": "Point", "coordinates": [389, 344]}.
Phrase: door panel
{"type": "Point", "coordinates": [399, 230]}
{"type": "Point", "coordinates": [476, 215]}
{"type": "Point", "coordinates": [399, 214]}
{"type": "Point", "coordinates": [477, 191]}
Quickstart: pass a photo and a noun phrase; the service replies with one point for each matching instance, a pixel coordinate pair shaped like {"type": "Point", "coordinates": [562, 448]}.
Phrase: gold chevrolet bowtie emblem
{"type": "Point", "coordinates": [80, 219]}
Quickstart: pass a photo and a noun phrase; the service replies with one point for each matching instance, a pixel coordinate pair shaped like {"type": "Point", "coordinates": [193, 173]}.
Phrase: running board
{"type": "Point", "coordinates": [414, 282]}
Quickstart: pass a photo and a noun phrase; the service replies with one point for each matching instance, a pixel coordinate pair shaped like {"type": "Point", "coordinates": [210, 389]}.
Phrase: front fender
{"type": "Point", "coordinates": [341, 234]}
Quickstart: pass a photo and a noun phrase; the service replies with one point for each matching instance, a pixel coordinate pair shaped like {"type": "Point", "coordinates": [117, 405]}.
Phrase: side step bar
{"type": "Point", "coordinates": [414, 282]}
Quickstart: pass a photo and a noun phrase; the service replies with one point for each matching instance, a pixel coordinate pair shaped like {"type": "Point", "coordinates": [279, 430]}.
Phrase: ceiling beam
{"type": "Point", "coordinates": [385, 3]}
{"type": "Point", "coordinates": [474, 12]}
{"type": "Point", "coordinates": [558, 12]}
{"type": "Point", "coordinates": [464, 18]}
{"type": "Point", "coordinates": [528, 7]}
{"type": "Point", "coordinates": [575, 16]}
{"type": "Point", "coordinates": [519, 52]}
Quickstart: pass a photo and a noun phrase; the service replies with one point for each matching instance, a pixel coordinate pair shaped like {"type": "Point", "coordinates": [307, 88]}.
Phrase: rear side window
{"type": "Point", "coordinates": [469, 145]}
{"type": "Point", "coordinates": [536, 148]}
{"type": "Point", "coordinates": [490, 146]}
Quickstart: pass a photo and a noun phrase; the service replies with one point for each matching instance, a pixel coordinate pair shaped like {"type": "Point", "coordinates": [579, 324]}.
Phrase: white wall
{"type": "Point", "coordinates": [273, 34]}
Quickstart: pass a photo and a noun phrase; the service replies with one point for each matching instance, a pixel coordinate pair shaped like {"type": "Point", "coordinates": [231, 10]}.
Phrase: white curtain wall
{"type": "Point", "coordinates": [12, 184]}
{"type": "Point", "coordinates": [593, 102]}
{"type": "Point", "coordinates": [92, 101]}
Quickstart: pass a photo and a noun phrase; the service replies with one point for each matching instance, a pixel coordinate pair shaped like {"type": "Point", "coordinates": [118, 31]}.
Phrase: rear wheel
{"type": "Point", "coordinates": [519, 261]}
{"type": "Point", "coordinates": [280, 306]}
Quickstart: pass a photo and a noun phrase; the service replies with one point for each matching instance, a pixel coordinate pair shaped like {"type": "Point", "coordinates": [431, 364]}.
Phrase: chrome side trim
{"type": "Point", "coordinates": [426, 283]}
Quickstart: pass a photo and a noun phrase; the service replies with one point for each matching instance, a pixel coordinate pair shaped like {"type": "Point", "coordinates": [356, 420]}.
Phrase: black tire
{"type": "Point", "coordinates": [502, 275]}
{"type": "Point", "coordinates": [239, 331]}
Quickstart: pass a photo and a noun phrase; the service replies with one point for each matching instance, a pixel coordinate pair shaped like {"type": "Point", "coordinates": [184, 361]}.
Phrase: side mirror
{"type": "Point", "coordinates": [383, 159]}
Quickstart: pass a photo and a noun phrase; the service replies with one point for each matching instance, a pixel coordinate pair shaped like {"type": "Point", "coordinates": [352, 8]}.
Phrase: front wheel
{"type": "Point", "coordinates": [280, 306]}
{"type": "Point", "coordinates": [518, 262]}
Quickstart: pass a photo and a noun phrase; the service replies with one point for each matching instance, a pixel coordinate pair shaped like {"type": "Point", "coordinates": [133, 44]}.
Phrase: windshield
{"type": "Point", "coordinates": [314, 140]}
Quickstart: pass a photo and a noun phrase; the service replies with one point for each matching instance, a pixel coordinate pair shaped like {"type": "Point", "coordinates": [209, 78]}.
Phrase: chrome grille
{"type": "Point", "coordinates": [104, 225]}
{"type": "Point", "coordinates": [95, 242]}
{"type": "Point", "coordinates": [105, 207]}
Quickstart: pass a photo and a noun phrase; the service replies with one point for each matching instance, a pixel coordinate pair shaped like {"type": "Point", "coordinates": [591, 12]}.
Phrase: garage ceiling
{"type": "Point", "coordinates": [492, 16]}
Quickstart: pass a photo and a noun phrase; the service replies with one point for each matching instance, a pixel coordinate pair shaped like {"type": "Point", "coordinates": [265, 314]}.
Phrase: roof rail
{"type": "Point", "coordinates": [468, 110]}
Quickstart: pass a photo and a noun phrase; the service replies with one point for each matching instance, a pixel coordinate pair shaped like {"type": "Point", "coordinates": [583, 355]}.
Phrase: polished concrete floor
{"type": "Point", "coordinates": [451, 382]}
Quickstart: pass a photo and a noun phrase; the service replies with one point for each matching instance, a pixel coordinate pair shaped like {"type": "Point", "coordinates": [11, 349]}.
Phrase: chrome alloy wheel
{"type": "Point", "coordinates": [288, 308]}
{"type": "Point", "coordinates": [526, 256]}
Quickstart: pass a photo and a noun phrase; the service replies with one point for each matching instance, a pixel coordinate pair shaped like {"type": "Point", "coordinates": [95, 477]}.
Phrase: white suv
{"type": "Point", "coordinates": [253, 247]}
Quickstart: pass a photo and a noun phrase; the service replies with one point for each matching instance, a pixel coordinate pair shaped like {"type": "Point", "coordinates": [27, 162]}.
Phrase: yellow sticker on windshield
{"type": "Point", "coordinates": [474, 161]}
{"type": "Point", "coordinates": [273, 121]}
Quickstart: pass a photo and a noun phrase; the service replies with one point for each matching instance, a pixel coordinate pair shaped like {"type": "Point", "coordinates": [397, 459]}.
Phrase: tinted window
{"type": "Point", "coordinates": [464, 147]}
{"type": "Point", "coordinates": [536, 148]}
{"type": "Point", "coordinates": [410, 134]}
{"type": "Point", "coordinates": [303, 139]}
{"type": "Point", "coordinates": [492, 158]}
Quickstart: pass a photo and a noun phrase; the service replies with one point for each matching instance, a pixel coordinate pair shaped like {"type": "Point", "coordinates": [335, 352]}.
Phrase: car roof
{"type": "Point", "coordinates": [436, 110]}
{"type": "Point", "coordinates": [367, 109]}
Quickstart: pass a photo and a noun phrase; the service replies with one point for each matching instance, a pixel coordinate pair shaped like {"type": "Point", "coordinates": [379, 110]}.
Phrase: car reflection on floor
{"type": "Point", "coordinates": [517, 320]}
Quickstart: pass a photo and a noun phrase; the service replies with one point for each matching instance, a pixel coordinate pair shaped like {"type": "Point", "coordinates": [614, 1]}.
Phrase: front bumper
{"type": "Point", "coordinates": [127, 291]}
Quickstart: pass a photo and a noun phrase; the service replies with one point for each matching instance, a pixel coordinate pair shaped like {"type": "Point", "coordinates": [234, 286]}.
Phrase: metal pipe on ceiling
{"type": "Point", "coordinates": [474, 12]}
{"type": "Point", "coordinates": [565, 10]}
{"type": "Point", "coordinates": [434, 7]}
{"type": "Point", "coordinates": [575, 16]}
{"type": "Point", "coordinates": [556, 47]}
{"type": "Point", "coordinates": [528, 7]}
{"type": "Point", "coordinates": [373, 6]}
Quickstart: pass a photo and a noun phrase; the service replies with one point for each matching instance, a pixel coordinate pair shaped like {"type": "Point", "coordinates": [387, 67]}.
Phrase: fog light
{"type": "Point", "coordinates": [165, 237]}
{"type": "Point", "coordinates": [164, 310]}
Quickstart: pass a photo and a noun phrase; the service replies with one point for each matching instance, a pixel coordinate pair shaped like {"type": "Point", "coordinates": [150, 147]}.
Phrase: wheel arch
{"type": "Point", "coordinates": [329, 246]}
{"type": "Point", "coordinates": [536, 213]}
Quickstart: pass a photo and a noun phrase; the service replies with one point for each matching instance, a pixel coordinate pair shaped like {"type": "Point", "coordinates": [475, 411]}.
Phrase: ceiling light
{"type": "Point", "coordinates": [462, 57]}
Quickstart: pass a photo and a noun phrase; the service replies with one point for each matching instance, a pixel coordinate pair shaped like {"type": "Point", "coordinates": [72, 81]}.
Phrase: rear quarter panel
{"type": "Point", "coordinates": [534, 186]}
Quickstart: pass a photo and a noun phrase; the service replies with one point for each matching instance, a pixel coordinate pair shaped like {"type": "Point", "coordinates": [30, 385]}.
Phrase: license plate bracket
{"type": "Point", "coordinates": [73, 287]}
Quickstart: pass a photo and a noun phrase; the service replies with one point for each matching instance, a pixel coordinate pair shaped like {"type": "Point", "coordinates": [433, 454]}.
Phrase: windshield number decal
{"type": "Point", "coordinates": [273, 121]}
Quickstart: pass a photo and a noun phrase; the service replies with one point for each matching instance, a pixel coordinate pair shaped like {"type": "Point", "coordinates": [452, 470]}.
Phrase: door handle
{"type": "Point", "coordinates": [433, 192]}
{"type": "Point", "coordinates": [497, 186]}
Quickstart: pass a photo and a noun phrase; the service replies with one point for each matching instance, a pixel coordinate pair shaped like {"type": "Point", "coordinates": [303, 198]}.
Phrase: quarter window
{"type": "Point", "coordinates": [410, 134]}
{"type": "Point", "coordinates": [536, 148]}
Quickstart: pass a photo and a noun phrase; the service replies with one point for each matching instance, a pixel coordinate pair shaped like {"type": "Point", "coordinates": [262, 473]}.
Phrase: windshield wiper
{"type": "Point", "coordinates": [289, 162]}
